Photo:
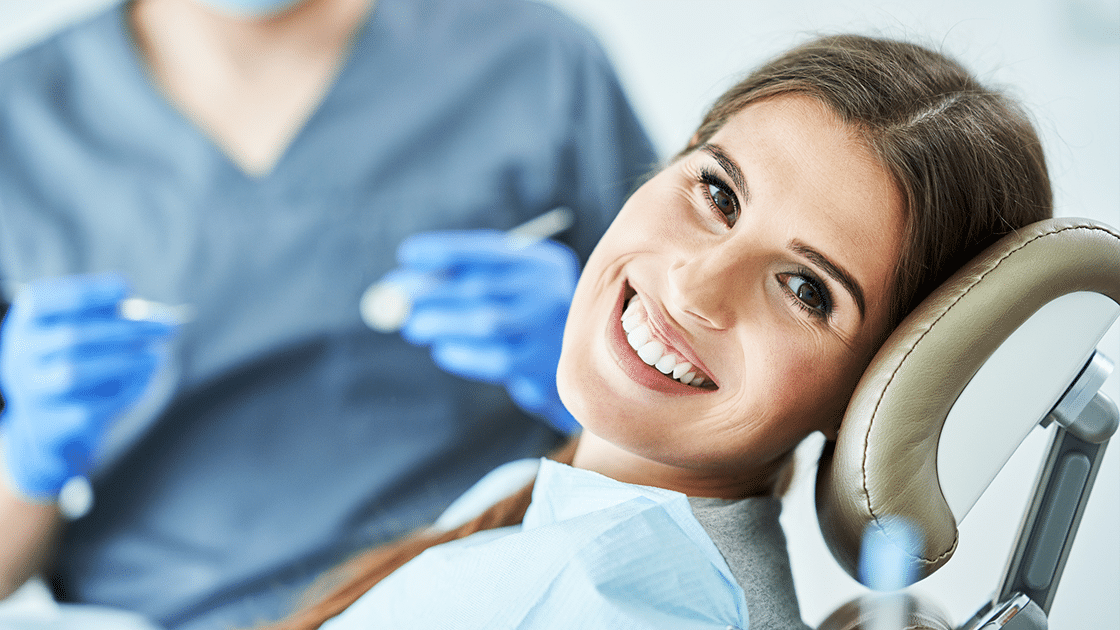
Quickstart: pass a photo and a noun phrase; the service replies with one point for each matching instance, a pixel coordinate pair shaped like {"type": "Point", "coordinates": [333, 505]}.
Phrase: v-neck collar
{"type": "Point", "coordinates": [175, 119]}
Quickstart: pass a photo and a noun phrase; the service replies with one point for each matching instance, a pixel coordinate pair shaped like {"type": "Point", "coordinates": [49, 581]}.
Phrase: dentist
{"type": "Point", "coordinates": [263, 162]}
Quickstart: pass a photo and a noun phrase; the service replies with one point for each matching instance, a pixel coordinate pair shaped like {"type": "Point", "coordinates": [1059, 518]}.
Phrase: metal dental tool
{"type": "Point", "coordinates": [139, 309]}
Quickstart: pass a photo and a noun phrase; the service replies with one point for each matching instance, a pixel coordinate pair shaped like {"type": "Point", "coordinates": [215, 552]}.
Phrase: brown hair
{"type": "Point", "coordinates": [966, 159]}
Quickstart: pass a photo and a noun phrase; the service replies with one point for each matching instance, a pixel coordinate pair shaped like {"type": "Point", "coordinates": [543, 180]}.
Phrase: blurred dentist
{"type": "Point", "coordinates": [263, 162]}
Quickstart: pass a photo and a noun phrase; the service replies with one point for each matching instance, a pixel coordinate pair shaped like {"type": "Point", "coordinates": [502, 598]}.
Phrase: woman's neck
{"type": "Point", "coordinates": [250, 83]}
{"type": "Point", "coordinates": [598, 455]}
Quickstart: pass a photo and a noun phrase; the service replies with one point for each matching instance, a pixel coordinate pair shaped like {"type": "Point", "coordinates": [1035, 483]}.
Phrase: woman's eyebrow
{"type": "Point", "coordinates": [728, 165]}
{"type": "Point", "coordinates": [832, 269]}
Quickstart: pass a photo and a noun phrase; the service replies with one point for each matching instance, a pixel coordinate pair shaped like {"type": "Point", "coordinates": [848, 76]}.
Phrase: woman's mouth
{"type": "Point", "coordinates": [645, 351]}
{"type": "Point", "coordinates": [654, 352]}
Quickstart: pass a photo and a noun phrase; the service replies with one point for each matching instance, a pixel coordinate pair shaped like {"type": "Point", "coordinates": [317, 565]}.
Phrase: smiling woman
{"type": "Point", "coordinates": [726, 314]}
{"type": "Point", "coordinates": [730, 259]}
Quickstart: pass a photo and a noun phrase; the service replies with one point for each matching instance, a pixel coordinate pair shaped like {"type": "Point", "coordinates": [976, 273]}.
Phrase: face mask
{"type": "Point", "coordinates": [251, 8]}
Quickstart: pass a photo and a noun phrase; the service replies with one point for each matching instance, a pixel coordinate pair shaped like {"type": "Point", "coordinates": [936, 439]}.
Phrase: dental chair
{"type": "Point", "coordinates": [1008, 343]}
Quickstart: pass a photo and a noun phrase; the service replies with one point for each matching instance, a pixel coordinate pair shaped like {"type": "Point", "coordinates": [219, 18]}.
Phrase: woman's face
{"type": "Point", "coordinates": [758, 267]}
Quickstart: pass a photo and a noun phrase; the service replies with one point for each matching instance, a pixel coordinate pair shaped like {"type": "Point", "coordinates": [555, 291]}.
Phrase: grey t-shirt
{"type": "Point", "coordinates": [748, 534]}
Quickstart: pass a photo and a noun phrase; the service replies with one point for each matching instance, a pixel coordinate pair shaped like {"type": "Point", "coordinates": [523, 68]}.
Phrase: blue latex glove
{"type": "Point", "coordinates": [69, 364]}
{"type": "Point", "coordinates": [497, 312]}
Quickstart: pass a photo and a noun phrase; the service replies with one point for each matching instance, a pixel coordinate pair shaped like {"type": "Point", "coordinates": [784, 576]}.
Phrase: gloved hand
{"type": "Point", "coordinates": [69, 364]}
{"type": "Point", "coordinates": [497, 315]}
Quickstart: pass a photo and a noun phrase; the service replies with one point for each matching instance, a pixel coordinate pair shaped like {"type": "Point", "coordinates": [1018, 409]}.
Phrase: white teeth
{"type": "Point", "coordinates": [666, 363]}
{"type": "Point", "coordinates": [629, 323]}
{"type": "Point", "coordinates": [631, 307]}
{"type": "Point", "coordinates": [638, 337]}
{"type": "Point", "coordinates": [653, 352]}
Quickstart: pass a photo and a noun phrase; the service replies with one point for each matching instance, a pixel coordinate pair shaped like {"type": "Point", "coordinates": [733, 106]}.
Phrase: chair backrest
{"type": "Point", "coordinates": [961, 382]}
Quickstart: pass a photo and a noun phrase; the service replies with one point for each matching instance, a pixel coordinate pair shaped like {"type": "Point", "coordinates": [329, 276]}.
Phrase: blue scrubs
{"type": "Point", "coordinates": [291, 435]}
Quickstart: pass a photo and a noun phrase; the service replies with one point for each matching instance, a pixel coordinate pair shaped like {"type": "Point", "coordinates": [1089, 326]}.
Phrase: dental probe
{"type": "Point", "coordinates": [135, 308]}
{"type": "Point", "coordinates": [386, 304]}
{"type": "Point", "coordinates": [139, 309]}
{"type": "Point", "coordinates": [75, 499]}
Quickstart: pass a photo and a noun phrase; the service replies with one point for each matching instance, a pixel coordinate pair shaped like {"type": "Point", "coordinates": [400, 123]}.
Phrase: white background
{"type": "Point", "coordinates": [1062, 57]}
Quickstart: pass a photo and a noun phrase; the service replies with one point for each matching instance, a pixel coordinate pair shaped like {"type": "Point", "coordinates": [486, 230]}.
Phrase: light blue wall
{"type": "Point", "coordinates": [1062, 57]}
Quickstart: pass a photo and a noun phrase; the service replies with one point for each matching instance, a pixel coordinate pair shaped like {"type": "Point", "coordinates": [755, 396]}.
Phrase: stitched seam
{"type": "Point", "coordinates": [913, 346]}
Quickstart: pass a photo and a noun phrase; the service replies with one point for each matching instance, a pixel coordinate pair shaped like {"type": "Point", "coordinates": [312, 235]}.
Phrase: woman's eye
{"type": "Point", "coordinates": [721, 198]}
{"type": "Point", "coordinates": [808, 293]}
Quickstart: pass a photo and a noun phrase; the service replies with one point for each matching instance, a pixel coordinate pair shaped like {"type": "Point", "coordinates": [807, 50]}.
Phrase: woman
{"type": "Point", "coordinates": [727, 313]}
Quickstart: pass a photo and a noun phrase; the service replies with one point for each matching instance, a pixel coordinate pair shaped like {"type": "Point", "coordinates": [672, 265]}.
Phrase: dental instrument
{"type": "Point", "coordinates": [140, 309]}
{"type": "Point", "coordinates": [75, 499]}
{"type": "Point", "coordinates": [137, 309]}
{"type": "Point", "coordinates": [386, 304]}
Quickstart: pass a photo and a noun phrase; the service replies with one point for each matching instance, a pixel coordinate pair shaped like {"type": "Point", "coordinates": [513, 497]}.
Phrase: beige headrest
{"type": "Point", "coordinates": [883, 464]}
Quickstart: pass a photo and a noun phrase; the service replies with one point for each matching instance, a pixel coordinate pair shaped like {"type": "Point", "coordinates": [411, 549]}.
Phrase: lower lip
{"type": "Point", "coordinates": [645, 375]}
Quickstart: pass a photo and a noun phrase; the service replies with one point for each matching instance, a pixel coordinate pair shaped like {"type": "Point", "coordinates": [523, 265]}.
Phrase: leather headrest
{"type": "Point", "coordinates": [883, 464]}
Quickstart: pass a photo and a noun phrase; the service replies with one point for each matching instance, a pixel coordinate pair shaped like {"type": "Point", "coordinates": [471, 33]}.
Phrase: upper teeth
{"type": "Point", "coordinates": [652, 351]}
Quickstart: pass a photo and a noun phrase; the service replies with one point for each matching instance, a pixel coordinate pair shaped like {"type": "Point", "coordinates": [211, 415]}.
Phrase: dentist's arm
{"type": "Point", "coordinates": [30, 535]}
{"type": "Point", "coordinates": [69, 365]}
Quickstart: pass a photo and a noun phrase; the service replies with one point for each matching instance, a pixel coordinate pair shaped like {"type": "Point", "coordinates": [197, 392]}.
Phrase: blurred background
{"type": "Point", "coordinates": [1060, 57]}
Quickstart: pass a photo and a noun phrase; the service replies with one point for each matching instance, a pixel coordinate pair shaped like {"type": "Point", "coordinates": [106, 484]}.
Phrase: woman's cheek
{"type": "Point", "coordinates": [812, 377]}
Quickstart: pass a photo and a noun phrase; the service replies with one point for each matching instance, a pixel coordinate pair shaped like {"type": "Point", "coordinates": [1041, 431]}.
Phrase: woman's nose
{"type": "Point", "coordinates": [710, 287]}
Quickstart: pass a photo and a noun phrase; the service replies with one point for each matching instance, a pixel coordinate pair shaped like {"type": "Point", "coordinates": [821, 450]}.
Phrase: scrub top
{"type": "Point", "coordinates": [283, 434]}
